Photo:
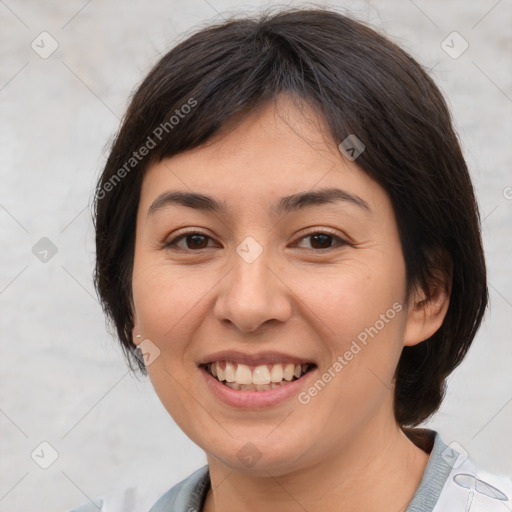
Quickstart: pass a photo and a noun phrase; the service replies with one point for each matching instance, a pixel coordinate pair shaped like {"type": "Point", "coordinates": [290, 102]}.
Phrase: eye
{"type": "Point", "coordinates": [322, 240]}
{"type": "Point", "coordinates": [192, 239]}
{"type": "Point", "coordinates": [196, 240]}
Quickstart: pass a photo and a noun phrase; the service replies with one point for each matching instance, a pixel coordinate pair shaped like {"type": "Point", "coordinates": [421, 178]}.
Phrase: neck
{"type": "Point", "coordinates": [379, 469]}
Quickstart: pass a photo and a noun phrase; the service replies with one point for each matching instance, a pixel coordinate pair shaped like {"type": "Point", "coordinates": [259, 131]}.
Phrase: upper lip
{"type": "Point", "coordinates": [253, 359]}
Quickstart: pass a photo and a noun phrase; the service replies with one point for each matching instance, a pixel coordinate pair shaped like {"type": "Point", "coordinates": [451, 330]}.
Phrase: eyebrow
{"type": "Point", "coordinates": [284, 205]}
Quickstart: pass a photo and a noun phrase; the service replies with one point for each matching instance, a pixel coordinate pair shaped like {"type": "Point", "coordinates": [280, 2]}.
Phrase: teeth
{"type": "Point", "coordinates": [276, 374]}
{"type": "Point", "coordinates": [243, 374]}
{"type": "Point", "coordinates": [229, 372]}
{"type": "Point", "coordinates": [262, 378]}
{"type": "Point", "coordinates": [252, 387]}
{"type": "Point", "coordinates": [221, 375]}
{"type": "Point", "coordinates": [288, 371]}
{"type": "Point", "coordinates": [261, 375]}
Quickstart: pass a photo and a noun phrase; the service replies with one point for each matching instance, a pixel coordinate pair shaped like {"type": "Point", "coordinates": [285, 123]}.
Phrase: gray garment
{"type": "Point", "coordinates": [190, 494]}
{"type": "Point", "coordinates": [187, 496]}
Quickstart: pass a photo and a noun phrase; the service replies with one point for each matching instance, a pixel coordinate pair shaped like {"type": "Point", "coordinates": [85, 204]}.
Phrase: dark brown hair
{"type": "Point", "coordinates": [360, 83]}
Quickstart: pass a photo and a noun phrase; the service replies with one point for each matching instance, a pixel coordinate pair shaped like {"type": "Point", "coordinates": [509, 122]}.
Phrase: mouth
{"type": "Point", "coordinates": [261, 377]}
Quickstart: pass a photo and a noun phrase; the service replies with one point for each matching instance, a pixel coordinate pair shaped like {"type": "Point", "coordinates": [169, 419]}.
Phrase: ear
{"type": "Point", "coordinates": [426, 310]}
{"type": "Point", "coordinates": [136, 330]}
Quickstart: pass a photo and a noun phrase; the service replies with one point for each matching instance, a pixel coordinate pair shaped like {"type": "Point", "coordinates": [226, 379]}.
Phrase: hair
{"type": "Point", "coordinates": [360, 83]}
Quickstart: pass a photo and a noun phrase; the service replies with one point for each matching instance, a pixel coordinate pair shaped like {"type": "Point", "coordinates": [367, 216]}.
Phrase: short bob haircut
{"type": "Point", "coordinates": [359, 83]}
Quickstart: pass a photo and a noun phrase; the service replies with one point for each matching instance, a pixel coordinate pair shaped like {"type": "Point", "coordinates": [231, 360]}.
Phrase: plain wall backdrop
{"type": "Point", "coordinates": [66, 74]}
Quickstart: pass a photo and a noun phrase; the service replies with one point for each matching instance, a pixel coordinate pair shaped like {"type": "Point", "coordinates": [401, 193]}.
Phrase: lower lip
{"type": "Point", "coordinates": [255, 399]}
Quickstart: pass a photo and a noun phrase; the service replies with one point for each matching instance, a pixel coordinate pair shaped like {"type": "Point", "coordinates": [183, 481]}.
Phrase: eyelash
{"type": "Point", "coordinates": [172, 243]}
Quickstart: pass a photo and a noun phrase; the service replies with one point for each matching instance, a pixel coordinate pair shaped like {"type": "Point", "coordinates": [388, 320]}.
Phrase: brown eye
{"type": "Point", "coordinates": [192, 241]}
{"type": "Point", "coordinates": [196, 241]}
{"type": "Point", "coordinates": [323, 240]}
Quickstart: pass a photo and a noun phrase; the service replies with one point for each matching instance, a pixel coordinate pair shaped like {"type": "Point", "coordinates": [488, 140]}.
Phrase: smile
{"type": "Point", "coordinates": [263, 377]}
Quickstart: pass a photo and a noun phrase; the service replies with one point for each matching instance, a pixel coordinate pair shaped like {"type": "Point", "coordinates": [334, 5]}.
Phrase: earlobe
{"type": "Point", "coordinates": [136, 335]}
{"type": "Point", "coordinates": [425, 315]}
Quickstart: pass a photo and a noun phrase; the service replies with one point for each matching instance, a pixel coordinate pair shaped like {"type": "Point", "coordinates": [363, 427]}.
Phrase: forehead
{"type": "Point", "coordinates": [275, 151]}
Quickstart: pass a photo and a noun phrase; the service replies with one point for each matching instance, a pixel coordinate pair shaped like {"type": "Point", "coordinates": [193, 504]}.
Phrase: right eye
{"type": "Point", "coordinates": [194, 240]}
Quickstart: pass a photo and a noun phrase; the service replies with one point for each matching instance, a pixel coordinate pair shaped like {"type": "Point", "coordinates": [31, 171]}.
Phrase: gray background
{"type": "Point", "coordinates": [63, 379]}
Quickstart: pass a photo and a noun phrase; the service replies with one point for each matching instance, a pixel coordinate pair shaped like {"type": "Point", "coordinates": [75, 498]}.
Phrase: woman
{"type": "Point", "coordinates": [288, 244]}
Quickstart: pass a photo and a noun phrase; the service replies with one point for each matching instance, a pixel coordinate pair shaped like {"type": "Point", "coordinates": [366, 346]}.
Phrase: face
{"type": "Point", "coordinates": [319, 285]}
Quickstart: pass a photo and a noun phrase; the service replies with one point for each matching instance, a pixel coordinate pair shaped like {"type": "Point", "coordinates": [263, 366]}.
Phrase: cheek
{"type": "Point", "coordinates": [168, 305]}
{"type": "Point", "coordinates": [354, 296]}
{"type": "Point", "coordinates": [359, 317]}
{"type": "Point", "coordinates": [166, 299]}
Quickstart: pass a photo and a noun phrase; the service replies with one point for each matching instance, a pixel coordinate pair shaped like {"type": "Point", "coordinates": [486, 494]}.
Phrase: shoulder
{"type": "Point", "coordinates": [184, 495]}
{"type": "Point", "coordinates": [468, 485]}
{"type": "Point", "coordinates": [474, 488]}
{"type": "Point", "coordinates": [452, 481]}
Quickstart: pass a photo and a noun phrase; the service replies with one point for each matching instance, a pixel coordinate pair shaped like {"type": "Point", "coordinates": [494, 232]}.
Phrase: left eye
{"type": "Point", "coordinates": [322, 239]}
{"type": "Point", "coordinates": [196, 240]}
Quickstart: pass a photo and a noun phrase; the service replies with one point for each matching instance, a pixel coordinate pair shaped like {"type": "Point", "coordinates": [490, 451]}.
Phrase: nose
{"type": "Point", "coordinates": [253, 294]}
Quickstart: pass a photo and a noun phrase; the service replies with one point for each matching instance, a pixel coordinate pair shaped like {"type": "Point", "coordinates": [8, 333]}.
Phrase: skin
{"type": "Point", "coordinates": [343, 450]}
